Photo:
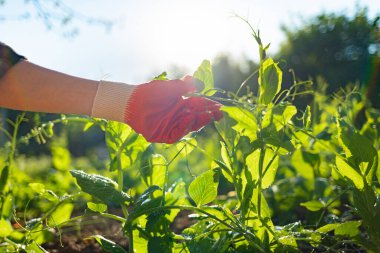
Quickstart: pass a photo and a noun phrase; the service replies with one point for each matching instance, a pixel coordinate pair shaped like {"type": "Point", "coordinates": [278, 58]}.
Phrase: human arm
{"type": "Point", "coordinates": [158, 110]}
{"type": "Point", "coordinates": [29, 87]}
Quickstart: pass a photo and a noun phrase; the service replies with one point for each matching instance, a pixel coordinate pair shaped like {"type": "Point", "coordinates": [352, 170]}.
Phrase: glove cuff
{"type": "Point", "coordinates": [111, 100]}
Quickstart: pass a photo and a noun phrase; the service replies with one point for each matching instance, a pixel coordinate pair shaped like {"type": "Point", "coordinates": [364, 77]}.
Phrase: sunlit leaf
{"type": "Point", "coordinates": [306, 117]}
{"type": "Point", "coordinates": [204, 188]}
{"type": "Point", "coordinates": [288, 240]}
{"type": "Point", "coordinates": [246, 122]}
{"type": "Point", "coordinates": [7, 205]}
{"type": "Point", "coordinates": [61, 214]}
{"type": "Point", "coordinates": [174, 196]}
{"type": "Point", "coordinates": [162, 76]}
{"type": "Point", "coordinates": [140, 242]}
{"type": "Point", "coordinates": [153, 170]}
{"type": "Point", "coordinates": [5, 228]}
{"type": "Point", "coordinates": [226, 160]}
{"type": "Point", "coordinates": [269, 166]}
{"type": "Point", "coordinates": [278, 116]}
{"type": "Point", "coordinates": [88, 126]}
{"type": "Point", "coordinates": [346, 170]}
{"type": "Point", "coordinates": [60, 157]}
{"type": "Point", "coordinates": [313, 205]}
{"type": "Point", "coordinates": [123, 144]}
{"type": "Point", "coordinates": [359, 151]}
{"type": "Point", "coordinates": [349, 228]}
{"type": "Point", "coordinates": [327, 228]}
{"type": "Point", "coordinates": [303, 167]}
{"type": "Point", "coordinates": [204, 74]}
{"type": "Point", "coordinates": [186, 145]}
{"type": "Point", "coordinates": [270, 79]}
{"type": "Point", "coordinates": [37, 188]}
{"type": "Point", "coordinates": [97, 207]}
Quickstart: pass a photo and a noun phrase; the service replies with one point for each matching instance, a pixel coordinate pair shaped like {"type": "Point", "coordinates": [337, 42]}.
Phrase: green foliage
{"type": "Point", "coordinates": [204, 74]}
{"type": "Point", "coordinates": [268, 177]}
{"type": "Point", "coordinates": [108, 245]}
{"type": "Point", "coordinates": [124, 145]}
{"type": "Point", "coordinates": [97, 207]}
{"type": "Point", "coordinates": [269, 163]}
{"type": "Point", "coordinates": [270, 79]}
{"type": "Point", "coordinates": [204, 188]}
{"type": "Point", "coordinates": [5, 228]}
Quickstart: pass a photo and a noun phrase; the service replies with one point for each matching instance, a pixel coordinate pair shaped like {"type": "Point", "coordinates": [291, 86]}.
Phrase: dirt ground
{"type": "Point", "coordinates": [75, 236]}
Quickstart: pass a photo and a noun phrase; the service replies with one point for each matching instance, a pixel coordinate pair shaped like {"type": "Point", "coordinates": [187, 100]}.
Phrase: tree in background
{"type": "Point", "coordinates": [339, 48]}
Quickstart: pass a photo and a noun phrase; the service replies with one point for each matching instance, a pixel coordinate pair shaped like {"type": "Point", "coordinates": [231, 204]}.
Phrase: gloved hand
{"type": "Point", "coordinates": [159, 110]}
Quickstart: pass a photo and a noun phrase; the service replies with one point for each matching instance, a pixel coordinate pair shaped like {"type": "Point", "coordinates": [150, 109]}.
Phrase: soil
{"type": "Point", "coordinates": [75, 237]}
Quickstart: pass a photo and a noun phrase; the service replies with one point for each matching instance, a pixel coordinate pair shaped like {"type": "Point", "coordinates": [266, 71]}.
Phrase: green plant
{"type": "Point", "coordinates": [275, 179]}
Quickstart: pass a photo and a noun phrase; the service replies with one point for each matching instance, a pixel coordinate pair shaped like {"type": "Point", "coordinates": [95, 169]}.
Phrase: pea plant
{"type": "Point", "coordinates": [279, 178]}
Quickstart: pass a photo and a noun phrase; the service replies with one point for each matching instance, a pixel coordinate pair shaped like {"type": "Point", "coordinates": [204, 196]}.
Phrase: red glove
{"type": "Point", "coordinates": [158, 110]}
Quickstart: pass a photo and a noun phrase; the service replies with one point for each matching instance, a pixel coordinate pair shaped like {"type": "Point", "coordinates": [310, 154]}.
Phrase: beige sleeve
{"type": "Point", "coordinates": [111, 100]}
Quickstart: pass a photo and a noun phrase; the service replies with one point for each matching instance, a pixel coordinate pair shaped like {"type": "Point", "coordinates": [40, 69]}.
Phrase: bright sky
{"type": "Point", "coordinates": [152, 36]}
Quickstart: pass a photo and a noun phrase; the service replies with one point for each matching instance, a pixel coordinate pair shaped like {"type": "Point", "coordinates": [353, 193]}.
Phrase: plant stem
{"type": "Point", "coordinates": [120, 181]}
{"type": "Point", "coordinates": [259, 183]}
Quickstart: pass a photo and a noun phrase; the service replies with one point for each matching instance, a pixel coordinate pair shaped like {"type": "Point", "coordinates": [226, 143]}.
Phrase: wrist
{"type": "Point", "coordinates": [111, 100]}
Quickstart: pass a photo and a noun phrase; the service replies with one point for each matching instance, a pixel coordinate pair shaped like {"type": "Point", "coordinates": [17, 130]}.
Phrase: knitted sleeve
{"type": "Point", "coordinates": [8, 58]}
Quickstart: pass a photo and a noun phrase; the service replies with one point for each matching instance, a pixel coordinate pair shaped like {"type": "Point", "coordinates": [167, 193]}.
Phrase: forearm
{"type": "Point", "coordinates": [29, 87]}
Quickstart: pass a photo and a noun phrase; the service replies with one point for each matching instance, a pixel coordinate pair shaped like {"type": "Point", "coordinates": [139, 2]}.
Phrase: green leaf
{"type": "Point", "coordinates": [146, 195]}
{"type": "Point", "coordinates": [304, 167]}
{"type": "Point", "coordinates": [100, 187]}
{"type": "Point", "coordinates": [153, 170]}
{"type": "Point", "coordinates": [288, 240]}
{"type": "Point", "coordinates": [204, 188]}
{"type": "Point", "coordinates": [378, 166]}
{"type": "Point", "coordinates": [4, 178]}
{"type": "Point", "coordinates": [313, 205]}
{"type": "Point", "coordinates": [306, 118]}
{"type": "Point", "coordinates": [108, 245]}
{"type": "Point", "coordinates": [60, 158]}
{"type": "Point", "coordinates": [7, 206]}
{"type": "Point", "coordinates": [37, 188]}
{"type": "Point", "coordinates": [225, 157]}
{"type": "Point", "coordinates": [5, 228]}
{"type": "Point", "coordinates": [162, 76]}
{"type": "Point", "coordinates": [140, 242]}
{"type": "Point", "coordinates": [349, 228]}
{"type": "Point", "coordinates": [327, 228]}
{"type": "Point", "coordinates": [270, 79]}
{"type": "Point", "coordinates": [204, 74]}
{"type": "Point", "coordinates": [269, 166]}
{"type": "Point", "coordinates": [123, 144]}
{"type": "Point", "coordinates": [35, 248]}
{"type": "Point", "coordinates": [88, 126]}
{"type": "Point", "coordinates": [346, 170]}
{"type": "Point", "coordinates": [246, 121]}
{"type": "Point", "coordinates": [160, 244]}
{"type": "Point", "coordinates": [186, 145]}
{"type": "Point", "coordinates": [61, 214]}
{"type": "Point", "coordinates": [97, 207]}
{"type": "Point", "coordinates": [360, 153]}
{"type": "Point", "coordinates": [279, 116]}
